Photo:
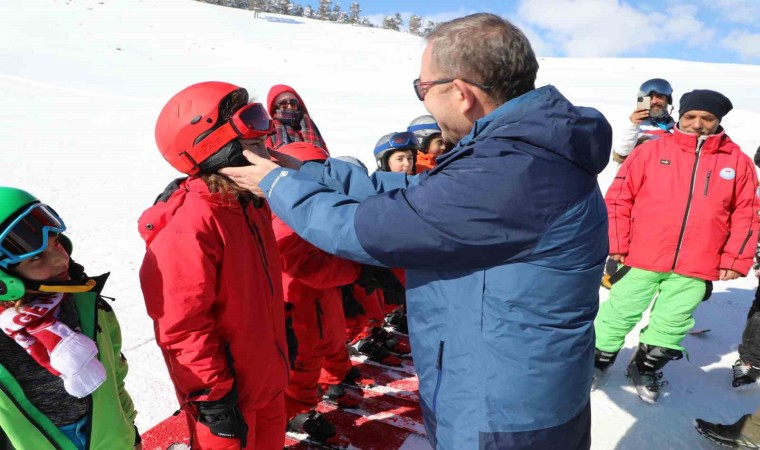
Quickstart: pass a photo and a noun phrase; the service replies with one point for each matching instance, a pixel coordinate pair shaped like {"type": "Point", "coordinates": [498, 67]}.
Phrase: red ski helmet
{"type": "Point", "coordinates": [304, 151]}
{"type": "Point", "coordinates": [188, 118]}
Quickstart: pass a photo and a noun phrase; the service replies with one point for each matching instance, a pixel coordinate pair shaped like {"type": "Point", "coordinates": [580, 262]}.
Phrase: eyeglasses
{"type": "Point", "coordinates": [252, 121]}
{"type": "Point", "coordinates": [404, 140]}
{"type": "Point", "coordinates": [421, 87]}
{"type": "Point", "coordinates": [27, 234]}
{"type": "Point", "coordinates": [284, 103]}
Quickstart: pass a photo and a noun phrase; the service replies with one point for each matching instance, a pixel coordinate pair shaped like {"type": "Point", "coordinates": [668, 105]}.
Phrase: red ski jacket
{"type": "Point", "coordinates": [685, 205]}
{"type": "Point", "coordinates": [211, 282]}
{"type": "Point", "coordinates": [311, 281]}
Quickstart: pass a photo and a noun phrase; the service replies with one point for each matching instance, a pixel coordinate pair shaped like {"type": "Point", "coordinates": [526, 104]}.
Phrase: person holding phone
{"type": "Point", "coordinates": [682, 212]}
{"type": "Point", "coordinates": [650, 119]}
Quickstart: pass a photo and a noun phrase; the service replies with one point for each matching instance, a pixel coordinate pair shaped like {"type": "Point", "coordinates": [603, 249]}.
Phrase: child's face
{"type": "Point", "coordinates": [50, 265]}
{"type": "Point", "coordinates": [436, 146]}
{"type": "Point", "coordinates": [401, 161]}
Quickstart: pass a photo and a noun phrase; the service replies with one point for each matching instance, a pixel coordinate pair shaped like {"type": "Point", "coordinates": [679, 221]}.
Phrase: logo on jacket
{"type": "Point", "coordinates": [665, 162]}
{"type": "Point", "coordinates": [727, 173]}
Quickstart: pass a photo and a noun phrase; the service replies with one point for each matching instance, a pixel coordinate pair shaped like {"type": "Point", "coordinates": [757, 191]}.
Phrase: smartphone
{"type": "Point", "coordinates": [644, 102]}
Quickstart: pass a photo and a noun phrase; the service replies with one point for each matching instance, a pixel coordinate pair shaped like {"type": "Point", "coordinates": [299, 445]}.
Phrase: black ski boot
{"type": "Point", "coordinates": [314, 424]}
{"type": "Point", "coordinates": [375, 351]}
{"type": "Point", "coordinates": [645, 372]}
{"type": "Point", "coordinates": [602, 361]}
{"type": "Point", "coordinates": [745, 375]}
{"type": "Point", "coordinates": [726, 435]}
{"type": "Point", "coordinates": [337, 395]}
{"type": "Point", "coordinates": [397, 320]}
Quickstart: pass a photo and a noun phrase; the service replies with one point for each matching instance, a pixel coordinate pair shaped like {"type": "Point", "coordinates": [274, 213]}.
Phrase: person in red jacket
{"type": "Point", "coordinates": [682, 211]}
{"type": "Point", "coordinates": [291, 119]}
{"type": "Point", "coordinates": [312, 283]}
{"type": "Point", "coordinates": [211, 274]}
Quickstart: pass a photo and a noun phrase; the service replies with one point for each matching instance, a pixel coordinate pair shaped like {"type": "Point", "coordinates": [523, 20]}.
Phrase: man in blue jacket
{"type": "Point", "coordinates": [504, 241]}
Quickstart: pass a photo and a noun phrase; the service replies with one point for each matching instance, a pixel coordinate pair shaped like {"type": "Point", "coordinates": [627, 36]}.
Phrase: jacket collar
{"type": "Point", "coordinates": [714, 143]}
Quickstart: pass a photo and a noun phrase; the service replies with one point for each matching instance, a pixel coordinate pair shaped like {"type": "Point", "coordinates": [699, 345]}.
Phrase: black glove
{"type": "Point", "coordinates": [290, 335]}
{"type": "Point", "coordinates": [372, 277]}
{"type": "Point", "coordinates": [394, 298]}
{"type": "Point", "coordinates": [223, 417]}
{"type": "Point", "coordinates": [351, 306]}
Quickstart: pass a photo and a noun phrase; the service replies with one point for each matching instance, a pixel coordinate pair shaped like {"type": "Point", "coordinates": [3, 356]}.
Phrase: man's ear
{"type": "Point", "coordinates": [466, 96]}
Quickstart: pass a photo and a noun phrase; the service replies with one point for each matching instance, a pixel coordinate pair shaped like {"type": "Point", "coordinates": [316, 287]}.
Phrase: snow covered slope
{"type": "Point", "coordinates": [82, 81]}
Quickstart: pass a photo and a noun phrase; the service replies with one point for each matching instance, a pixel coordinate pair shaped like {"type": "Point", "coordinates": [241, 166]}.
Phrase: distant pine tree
{"type": "Point", "coordinates": [415, 23]}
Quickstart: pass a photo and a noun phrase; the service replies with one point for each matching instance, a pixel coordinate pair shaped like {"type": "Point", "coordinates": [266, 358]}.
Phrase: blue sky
{"type": "Point", "coordinates": [698, 30]}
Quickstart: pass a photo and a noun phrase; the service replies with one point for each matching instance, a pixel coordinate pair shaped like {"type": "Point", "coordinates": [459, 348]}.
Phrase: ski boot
{"type": "Point", "coordinates": [375, 351]}
{"type": "Point", "coordinates": [645, 372]}
{"type": "Point", "coordinates": [726, 435]}
{"type": "Point", "coordinates": [337, 395]}
{"type": "Point", "coordinates": [602, 361]}
{"type": "Point", "coordinates": [394, 343]}
{"type": "Point", "coordinates": [745, 375]}
{"type": "Point", "coordinates": [316, 427]}
{"type": "Point", "coordinates": [397, 320]}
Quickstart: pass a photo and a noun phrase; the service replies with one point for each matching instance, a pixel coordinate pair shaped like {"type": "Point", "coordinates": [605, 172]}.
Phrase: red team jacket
{"type": "Point", "coordinates": [211, 282]}
{"type": "Point", "coordinates": [675, 208]}
{"type": "Point", "coordinates": [311, 281]}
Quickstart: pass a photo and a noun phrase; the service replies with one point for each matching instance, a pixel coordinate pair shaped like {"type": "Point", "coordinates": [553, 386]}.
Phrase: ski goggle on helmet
{"type": "Point", "coordinates": [406, 140]}
{"type": "Point", "coordinates": [26, 233]}
{"type": "Point", "coordinates": [657, 86]}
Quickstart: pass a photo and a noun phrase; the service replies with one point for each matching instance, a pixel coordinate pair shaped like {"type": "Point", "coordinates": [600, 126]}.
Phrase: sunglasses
{"type": "Point", "coordinates": [421, 87]}
{"type": "Point", "coordinates": [27, 234]}
{"type": "Point", "coordinates": [404, 140]}
{"type": "Point", "coordinates": [292, 102]}
{"type": "Point", "coordinates": [252, 121]}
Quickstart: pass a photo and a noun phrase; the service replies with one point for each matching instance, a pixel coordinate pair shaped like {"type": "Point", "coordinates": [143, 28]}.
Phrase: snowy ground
{"type": "Point", "coordinates": [82, 82]}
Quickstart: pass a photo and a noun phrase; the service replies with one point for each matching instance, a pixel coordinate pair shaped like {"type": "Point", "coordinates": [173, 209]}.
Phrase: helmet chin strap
{"type": "Point", "coordinates": [80, 282]}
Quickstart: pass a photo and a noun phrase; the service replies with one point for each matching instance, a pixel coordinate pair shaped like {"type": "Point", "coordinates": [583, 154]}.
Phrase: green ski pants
{"type": "Point", "coordinates": [675, 299]}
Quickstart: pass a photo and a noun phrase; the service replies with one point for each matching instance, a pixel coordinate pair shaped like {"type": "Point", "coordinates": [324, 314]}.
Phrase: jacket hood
{"type": "Point", "coordinates": [278, 89]}
{"type": "Point", "coordinates": [154, 219]}
{"type": "Point", "coordinates": [544, 118]}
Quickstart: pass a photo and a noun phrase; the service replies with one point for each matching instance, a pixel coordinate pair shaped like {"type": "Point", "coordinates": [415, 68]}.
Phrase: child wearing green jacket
{"type": "Point", "coordinates": [61, 368]}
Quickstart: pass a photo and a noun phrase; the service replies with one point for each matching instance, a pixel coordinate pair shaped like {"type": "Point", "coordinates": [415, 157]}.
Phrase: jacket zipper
{"type": "Point", "coordinates": [700, 143]}
{"type": "Point", "coordinates": [319, 318]}
{"type": "Point", "coordinates": [262, 256]}
{"type": "Point", "coordinates": [262, 253]}
{"type": "Point", "coordinates": [707, 182]}
{"type": "Point", "coordinates": [29, 418]}
{"type": "Point", "coordinates": [744, 244]}
{"type": "Point", "coordinates": [439, 366]}
{"type": "Point", "coordinates": [95, 328]}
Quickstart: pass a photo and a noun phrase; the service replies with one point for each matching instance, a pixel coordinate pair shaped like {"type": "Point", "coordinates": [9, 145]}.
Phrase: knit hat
{"type": "Point", "coordinates": [705, 100]}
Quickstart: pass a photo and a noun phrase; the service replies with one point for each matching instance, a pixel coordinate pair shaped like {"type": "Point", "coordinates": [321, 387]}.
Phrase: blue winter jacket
{"type": "Point", "coordinates": [504, 243]}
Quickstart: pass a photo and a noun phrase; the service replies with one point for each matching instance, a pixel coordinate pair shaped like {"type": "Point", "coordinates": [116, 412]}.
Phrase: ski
{"type": "Point", "coordinates": [295, 440]}
{"type": "Point", "coordinates": [386, 382]}
{"type": "Point", "coordinates": [405, 367]}
{"type": "Point", "coordinates": [396, 412]}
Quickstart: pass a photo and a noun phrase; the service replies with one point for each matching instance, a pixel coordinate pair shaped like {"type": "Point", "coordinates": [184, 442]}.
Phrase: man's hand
{"type": "Point", "coordinates": [618, 257]}
{"type": "Point", "coordinates": [249, 177]}
{"type": "Point", "coordinates": [639, 116]}
{"type": "Point", "coordinates": [728, 274]}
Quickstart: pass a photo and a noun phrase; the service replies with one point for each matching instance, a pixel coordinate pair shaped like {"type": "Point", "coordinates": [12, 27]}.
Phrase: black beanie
{"type": "Point", "coordinates": [705, 100]}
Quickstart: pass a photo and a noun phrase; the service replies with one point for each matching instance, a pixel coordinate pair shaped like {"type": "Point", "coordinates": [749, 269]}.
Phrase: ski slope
{"type": "Point", "coordinates": [82, 82]}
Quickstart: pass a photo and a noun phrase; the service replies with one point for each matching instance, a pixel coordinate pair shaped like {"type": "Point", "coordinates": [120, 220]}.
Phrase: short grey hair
{"type": "Point", "coordinates": [486, 49]}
